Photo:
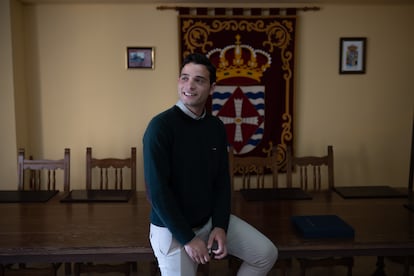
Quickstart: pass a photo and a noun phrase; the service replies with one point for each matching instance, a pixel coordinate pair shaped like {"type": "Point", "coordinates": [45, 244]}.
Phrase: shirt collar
{"type": "Point", "coordinates": [188, 112]}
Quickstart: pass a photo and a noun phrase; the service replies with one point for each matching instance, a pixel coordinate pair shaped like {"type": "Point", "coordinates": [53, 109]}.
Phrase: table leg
{"type": "Point", "coordinates": [380, 267]}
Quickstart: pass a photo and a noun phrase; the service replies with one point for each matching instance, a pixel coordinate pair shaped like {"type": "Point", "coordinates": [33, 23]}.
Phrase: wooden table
{"type": "Point", "coordinates": [69, 232]}
{"type": "Point", "coordinates": [74, 232]}
{"type": "Point", "coordinates": [383, 227]}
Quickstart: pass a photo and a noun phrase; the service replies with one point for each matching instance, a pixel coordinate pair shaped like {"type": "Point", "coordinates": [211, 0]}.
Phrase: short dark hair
{"type": "Point", "coordinates": [198, 58]}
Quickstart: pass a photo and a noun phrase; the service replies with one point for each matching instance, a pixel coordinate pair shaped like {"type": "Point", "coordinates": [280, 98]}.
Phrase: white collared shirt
{"type": "Point", "coordinates": [189, 112]}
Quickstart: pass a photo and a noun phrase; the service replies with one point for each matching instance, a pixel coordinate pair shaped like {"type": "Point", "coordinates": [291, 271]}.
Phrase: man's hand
{"type": "Point", "coordinates": [197, 250]}
{"type": "Point", "coordinates": [217, 237]}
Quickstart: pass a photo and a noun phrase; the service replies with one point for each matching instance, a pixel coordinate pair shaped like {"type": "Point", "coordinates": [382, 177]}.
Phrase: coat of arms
{"type": "Point", "coordinates": [241, 107]}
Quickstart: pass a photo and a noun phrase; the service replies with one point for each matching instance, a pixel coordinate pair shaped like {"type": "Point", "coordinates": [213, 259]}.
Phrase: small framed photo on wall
{"type": "Point", "coordinates": [352, 55]}
{"type": "Point", "coordinates": [140, 57]}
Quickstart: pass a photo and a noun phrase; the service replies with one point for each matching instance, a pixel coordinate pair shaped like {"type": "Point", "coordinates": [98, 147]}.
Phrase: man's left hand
{"type": "Point", "coordinates": [217, 236]}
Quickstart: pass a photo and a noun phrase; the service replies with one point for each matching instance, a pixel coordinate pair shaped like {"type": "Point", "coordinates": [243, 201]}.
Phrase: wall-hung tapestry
{"type": "Point", "coordinates": [255, 57]}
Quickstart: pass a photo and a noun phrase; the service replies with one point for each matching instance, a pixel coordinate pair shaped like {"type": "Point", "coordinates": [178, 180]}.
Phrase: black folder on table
{"type": "Point", "coordinates": [98, 196]}
{"type": "Point", "coordinates": [369, 192]}
{"type": "Point", "coordinates": [26, 196]}
{"type": "Point", "coordinates": [274, 194]}
{"type": "Point", "coordinates": [323, 226]}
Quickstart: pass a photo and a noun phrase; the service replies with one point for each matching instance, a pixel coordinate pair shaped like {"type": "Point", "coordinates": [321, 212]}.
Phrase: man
{"type": "Point", "coordinates": [188, 183]}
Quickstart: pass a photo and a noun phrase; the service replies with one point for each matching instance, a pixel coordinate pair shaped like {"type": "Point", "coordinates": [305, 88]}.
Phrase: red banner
{"type": "Point", "coordinates": [254, 56]}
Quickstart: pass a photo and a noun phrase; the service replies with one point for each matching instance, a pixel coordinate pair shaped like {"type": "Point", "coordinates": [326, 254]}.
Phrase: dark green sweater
{"type": "Point", "coordinates": [186, 172]}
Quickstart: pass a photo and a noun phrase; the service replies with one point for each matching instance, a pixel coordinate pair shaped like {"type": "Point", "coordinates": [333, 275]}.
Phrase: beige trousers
{"type": "Point", "coordinates": [256, 251]}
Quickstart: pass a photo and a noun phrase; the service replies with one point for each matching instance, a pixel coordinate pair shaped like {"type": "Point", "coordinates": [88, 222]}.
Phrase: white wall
{"type": "Point", "coordinates": [82, 95]}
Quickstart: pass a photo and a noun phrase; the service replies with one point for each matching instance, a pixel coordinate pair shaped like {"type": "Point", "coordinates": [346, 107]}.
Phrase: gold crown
{"type": "Point", "coordinates": [257, 61]}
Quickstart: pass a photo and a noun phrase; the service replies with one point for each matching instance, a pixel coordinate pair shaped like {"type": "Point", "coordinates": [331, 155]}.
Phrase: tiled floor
{"type": "Point", "coordinates": [364, 266]}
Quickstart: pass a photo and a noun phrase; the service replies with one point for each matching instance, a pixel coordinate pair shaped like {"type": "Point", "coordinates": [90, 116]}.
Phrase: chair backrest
{"type": "Point", "coordinates": [111, 171]}
{"type": "Point", "coordinates": [251, 168]}
{"type": "Point", "coordinates": [309, 167]}
{"type": "Point", "coordinates": [43, 169]}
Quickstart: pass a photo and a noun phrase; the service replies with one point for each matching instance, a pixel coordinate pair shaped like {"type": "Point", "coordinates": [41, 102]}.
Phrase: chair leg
{"type": "Point", "coordinates": [406, 266]}
{"type": "Point", "coordinates": [134, 268]}
{"type": "Point", "coordinates": [205, 269]}
{"type": "Point", "coordinates": [284, 266]}
{"type": "Point", "coordinates": [154, 271]}
{"type": "Point", "coordinates": [68, 269]}
{"type": "Point", "coordinates": [76, 269]}
{"type": "Point", "coordinates": [233, 264]}
{"type": "Point", "coordinates": [380, 267]}
{"type": "Point", "coordinates": [349, 271]}
{"type": "Point", "coordinates": [303, 271]}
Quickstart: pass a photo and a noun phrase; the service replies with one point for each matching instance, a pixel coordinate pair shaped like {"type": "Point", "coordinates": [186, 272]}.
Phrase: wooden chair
{"type": "Point", "coordinates": [115, 165]}
{"type": "Point", "coordinates": [309, 169]}
{"type": "Point", "coordinates": [253, 170]}
{"type": "Point", "coordinates": [111, 176]}
{"type": "Point", "coordinates": [43, 168]}
{"type": "Point", "coordinates": [42, 176]}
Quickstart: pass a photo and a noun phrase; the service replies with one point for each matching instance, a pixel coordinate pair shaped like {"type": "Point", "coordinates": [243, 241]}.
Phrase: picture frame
{"type": "Point", "coordinates": [140, 57]}
{"type": "Point", "coordinates": [352, 57]}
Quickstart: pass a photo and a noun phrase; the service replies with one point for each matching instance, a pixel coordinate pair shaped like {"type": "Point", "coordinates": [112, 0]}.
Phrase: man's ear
{"type": "Point", "coordinates": [212, 88]}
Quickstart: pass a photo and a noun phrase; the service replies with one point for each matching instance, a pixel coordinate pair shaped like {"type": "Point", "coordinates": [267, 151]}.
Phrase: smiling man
{"type": "Point", "coordinates": [188, 183]}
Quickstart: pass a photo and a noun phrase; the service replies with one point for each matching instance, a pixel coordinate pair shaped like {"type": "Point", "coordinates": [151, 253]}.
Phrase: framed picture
{"type": "Point", "coordinates": [352, 55]}
{"type": "Point", "coordinates": [140, 57]}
